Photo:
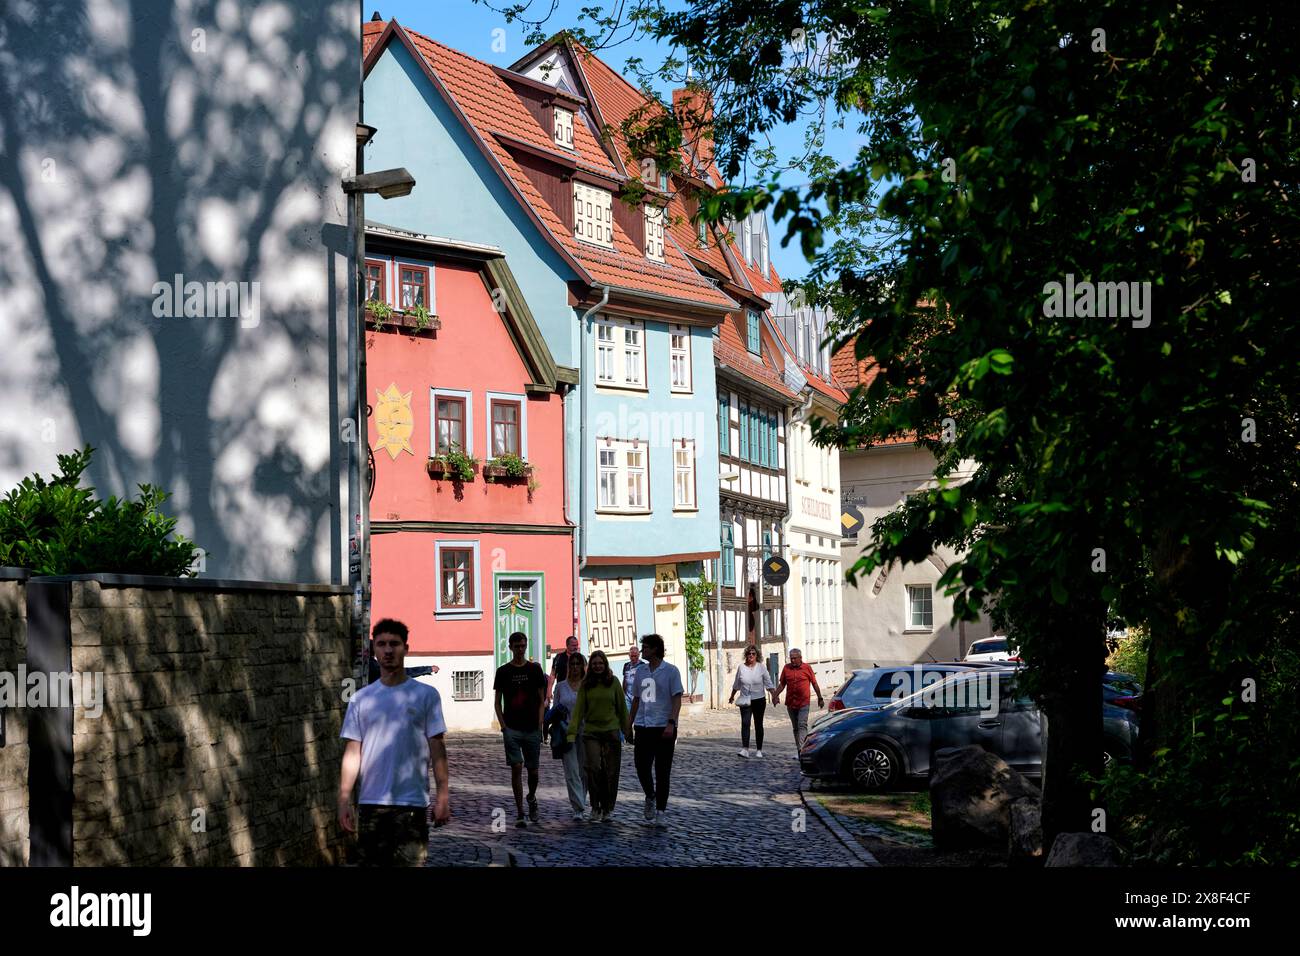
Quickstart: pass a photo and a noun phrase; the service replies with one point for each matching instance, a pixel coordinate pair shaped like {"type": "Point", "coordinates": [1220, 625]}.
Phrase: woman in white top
{"type": "Point", "coordinates": [570, 751]}
{"type": "Point", "coordinates": [751, 683]}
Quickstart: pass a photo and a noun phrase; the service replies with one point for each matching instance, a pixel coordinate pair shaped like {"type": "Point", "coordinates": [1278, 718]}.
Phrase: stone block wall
{"type": "Point", "coordinates": [218, 742]}
{"type": "Point", "coordinates": [13, 755]}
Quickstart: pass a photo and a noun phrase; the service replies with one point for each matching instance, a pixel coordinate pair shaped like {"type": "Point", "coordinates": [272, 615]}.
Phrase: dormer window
{"type": "Point", "coordinates": [564, 128]}
{"type": "Point", "coordinates": [703, 232]}
{"type": "Point", "coordinates": [753, 341]}
{"type": "Point", "coordinates": [663, 182]}
{"type": "Point", "coordinates": [654, 233]}
{"type": "Point", "coordinates": [593, 214]}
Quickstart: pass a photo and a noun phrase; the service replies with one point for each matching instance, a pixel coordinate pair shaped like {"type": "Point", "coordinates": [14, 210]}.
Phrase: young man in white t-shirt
{"type": "Point", "coordinates": [394, 729]}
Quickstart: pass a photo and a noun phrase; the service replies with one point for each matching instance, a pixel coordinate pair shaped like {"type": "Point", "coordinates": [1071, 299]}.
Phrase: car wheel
{"type": "Point", "coordinates": [872, 766]}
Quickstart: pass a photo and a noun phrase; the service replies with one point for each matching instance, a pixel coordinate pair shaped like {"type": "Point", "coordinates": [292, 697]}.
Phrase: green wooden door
{"type": "Point", "coordinates": [518, 607]}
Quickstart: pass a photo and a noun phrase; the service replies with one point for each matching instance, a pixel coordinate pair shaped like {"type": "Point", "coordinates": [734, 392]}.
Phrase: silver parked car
{"type": "Point", "coordinates": [881, 745]}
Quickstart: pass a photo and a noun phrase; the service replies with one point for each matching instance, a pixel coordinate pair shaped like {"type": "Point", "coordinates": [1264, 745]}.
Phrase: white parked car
{"type": "Point", "coordinates": [992, 649]}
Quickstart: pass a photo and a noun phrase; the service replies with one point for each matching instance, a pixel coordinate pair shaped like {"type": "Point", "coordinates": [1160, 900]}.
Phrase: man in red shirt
{"type": "Point", "coordinates": [798, 677]}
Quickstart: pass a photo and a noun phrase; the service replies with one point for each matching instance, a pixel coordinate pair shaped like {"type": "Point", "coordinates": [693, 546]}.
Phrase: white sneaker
{"type": "Point", "coordinates": [758, 754]}
{"type": "Point", "coordinates": [742, 752]}
{"type": "Point", "coordinates": [649, 810]}
{"type": "Point", "coordinates": [661, 820]}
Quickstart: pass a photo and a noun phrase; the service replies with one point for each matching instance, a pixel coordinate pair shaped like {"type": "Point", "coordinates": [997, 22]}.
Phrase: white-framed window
{"type": "Point", "coordinates": [920, 607]}
{"type": "Point", "coordinates": [620, 352]}
{"type": "Point", "coordinates": [451, 420]}
{"type": "Point", "coordinates": [623, 479]}
{"type": "Point", "coordinates": [593, 214]}
{"type": "Point", "coordinates": [762, 252]}
{"type": "Point", "coordinates": [684, 475]}
{"type": "Point", "coordinates": [679, 358]}
{"type": "Point", "coordinates": [456, 566]}
{"type": "Point", "coordinates": [605, 349]}
{"type": "Point", "coordinates": [608, 477]}
{"type": "Point", "coordinates": [636, 477]}
{"type": "Point", "coordinates": [633, 355]}
{"type": "Point", "coordinates": [564, 127]}
{"type": "Point", "coordinates": [654, 233]}
{"type": "Point", "coordinates": [466, 685]}
{"type": "Point", "coordinates": [507, 424]}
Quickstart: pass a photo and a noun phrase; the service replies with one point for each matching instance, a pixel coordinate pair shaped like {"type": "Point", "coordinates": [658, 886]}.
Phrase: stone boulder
{"type": "Point", "coordinates": [971, 792]}
{"type": "Point", "coordinates": [1084, 849]}
{"type": "Point", "coordinates": [1025, 832]}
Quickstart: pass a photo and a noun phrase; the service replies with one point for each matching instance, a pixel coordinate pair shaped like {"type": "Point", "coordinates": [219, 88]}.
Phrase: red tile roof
{"type": "Point", "coordinates": [491, 107]}
{"type": "Point", "coordinates": [730, 347]}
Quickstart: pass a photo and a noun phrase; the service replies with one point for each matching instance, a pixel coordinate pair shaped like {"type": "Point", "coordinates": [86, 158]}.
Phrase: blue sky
{"type": "Point", "coordinates": [470, 27]}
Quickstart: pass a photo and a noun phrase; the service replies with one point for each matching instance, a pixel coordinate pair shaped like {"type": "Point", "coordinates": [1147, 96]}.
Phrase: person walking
{"type": "Point", "coordinates": [753, 683]}
{"type": "Point", "coordinates": [629, 666]}
{"type": "Point", "coordinates": [564, 728]}
{"type": "Point", "coordinates": [560, 667]}
{"type": "Point", "coordinates": [655, 707]}
{"type": "Point", "coordinates": [797, 677]}
{"type": "Point", "coordinates": [600, 715]}
{"type": "Point", "coordinates": [394, 729]}
{"type": "Point", "coordinates": [520, 702]}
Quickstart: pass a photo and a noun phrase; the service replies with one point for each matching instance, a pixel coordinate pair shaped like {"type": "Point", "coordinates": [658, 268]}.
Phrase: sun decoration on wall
{"type": "Point", "coordinates": [394, 421]}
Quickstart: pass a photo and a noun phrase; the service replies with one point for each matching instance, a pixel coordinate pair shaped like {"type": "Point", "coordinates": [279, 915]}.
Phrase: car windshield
{"type": "Point", "coordinates": [989, 647]}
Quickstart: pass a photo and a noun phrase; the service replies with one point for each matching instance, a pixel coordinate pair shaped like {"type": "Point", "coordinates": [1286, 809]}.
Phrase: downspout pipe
{"type": "Point", "coordinates": [580, 540]}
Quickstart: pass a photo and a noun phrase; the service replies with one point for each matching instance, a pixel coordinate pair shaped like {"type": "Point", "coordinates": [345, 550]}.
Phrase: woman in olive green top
{"type": "Point", "coordinates": [601, 712]}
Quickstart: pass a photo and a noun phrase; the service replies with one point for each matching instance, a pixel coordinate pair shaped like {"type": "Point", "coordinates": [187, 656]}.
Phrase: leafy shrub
{"type": "Point", "coordinates": [515, 466]}
{"type": "Point", "coordinates": [458, 463]}
{"type": "Point", "coordinates": [1129, 654]}
{"type": "Point", "coordinates": [59, 527]}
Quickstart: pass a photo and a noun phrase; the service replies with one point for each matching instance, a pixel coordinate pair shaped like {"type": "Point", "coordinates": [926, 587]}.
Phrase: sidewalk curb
{"type": "Point", "coordinates": [841, 834]}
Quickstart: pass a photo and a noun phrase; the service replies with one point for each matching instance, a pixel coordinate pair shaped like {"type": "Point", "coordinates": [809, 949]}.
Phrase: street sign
{"type": "Point", "coordinates": [776, 571]}
{"type": "Point", "coordinates": [851, 520]}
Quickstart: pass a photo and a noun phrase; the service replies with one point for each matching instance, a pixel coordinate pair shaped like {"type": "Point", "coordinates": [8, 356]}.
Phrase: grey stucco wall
{"type": "Point", "coordinates": [145, 139]}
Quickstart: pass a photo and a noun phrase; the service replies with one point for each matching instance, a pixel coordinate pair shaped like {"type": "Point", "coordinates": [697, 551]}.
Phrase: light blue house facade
{"type": "Point", "coordinates": [514, 159]}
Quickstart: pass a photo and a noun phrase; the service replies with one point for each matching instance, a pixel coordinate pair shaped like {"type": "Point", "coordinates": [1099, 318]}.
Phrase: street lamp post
{"type": "Point", "coordinates": [389, 184]}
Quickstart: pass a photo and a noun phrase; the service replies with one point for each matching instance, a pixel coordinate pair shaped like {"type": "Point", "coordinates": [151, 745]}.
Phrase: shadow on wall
{"type": "Point", "coordinates": [218, 742]}
{"type": "Point", "coordinates": [141, 140]}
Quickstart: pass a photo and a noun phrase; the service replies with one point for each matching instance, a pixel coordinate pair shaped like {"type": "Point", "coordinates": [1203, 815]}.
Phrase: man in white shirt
{"type": "Point", "coordinates": [655, 706]}
{"type": "Point", "coordinates": [394, 729]}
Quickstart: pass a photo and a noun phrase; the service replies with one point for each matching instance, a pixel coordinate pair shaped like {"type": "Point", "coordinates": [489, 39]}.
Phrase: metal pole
{"type": "Point", "coordinates": [718, 631]}
{"type": "Point", "coordinates": [355, 348]}
{"type": "Point", "coordinates": [363, 422]}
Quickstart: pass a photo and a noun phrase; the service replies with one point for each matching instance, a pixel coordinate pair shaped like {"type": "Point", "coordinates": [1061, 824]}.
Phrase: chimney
{"type": "Point", "coordinates": [693, 107]}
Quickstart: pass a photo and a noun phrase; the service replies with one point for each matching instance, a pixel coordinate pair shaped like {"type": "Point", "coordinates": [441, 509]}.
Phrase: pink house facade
{"type": "Point", "coordinates": [464, 551]}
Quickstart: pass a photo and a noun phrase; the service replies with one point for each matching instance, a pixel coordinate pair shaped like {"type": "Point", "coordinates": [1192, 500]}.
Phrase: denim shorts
{"type": "Point", "coordinates": [523, 747]}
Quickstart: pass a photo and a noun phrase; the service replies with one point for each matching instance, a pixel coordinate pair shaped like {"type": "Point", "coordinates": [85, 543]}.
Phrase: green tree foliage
{"type": "Point", "coordinates": [59, 527]}
{"type": "Point", "coordinates": [1138, 460]}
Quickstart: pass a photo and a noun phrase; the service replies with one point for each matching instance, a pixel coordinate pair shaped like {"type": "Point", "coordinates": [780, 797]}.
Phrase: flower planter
{"type": "Point", "coordinates": [441, 471]}
{"type": "Point", "coordinates": [400, 321]}
{"type": "Point", "coordinates": [502, 474]}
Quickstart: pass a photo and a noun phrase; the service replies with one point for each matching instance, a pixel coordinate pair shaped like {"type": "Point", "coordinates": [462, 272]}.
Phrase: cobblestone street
{"type": "Point", "coordinates": [723, 810]}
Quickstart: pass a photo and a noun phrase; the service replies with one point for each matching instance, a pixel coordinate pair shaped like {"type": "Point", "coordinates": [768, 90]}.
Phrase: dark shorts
{"type": "Point", "coordinates": [392, 836]}
{"type": "Point", "coordinates": [523, 747]}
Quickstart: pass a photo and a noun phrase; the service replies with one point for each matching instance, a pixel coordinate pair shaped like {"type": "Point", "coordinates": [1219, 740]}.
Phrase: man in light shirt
{"type": "Point", "coordinates": [394, 729]}
{"type": "Point", "coordinates": [655, 706]}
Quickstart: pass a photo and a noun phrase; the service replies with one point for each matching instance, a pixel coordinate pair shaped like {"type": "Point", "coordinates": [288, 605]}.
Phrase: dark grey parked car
{"type": "Point", "coordinates": [881, 745]}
